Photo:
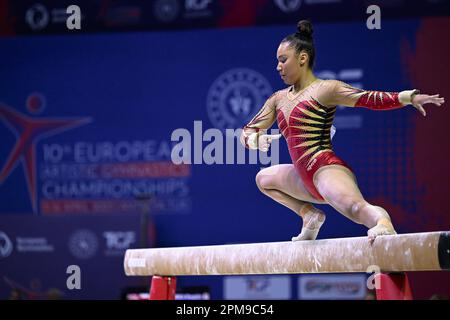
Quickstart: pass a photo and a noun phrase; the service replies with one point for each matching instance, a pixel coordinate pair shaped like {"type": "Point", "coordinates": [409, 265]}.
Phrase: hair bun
{"type": "Point", "coordinates": [304, 29]}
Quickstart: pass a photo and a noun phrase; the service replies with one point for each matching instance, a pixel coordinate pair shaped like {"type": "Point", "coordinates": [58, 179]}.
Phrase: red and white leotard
{"type": "Point", "coordinates": [305, 120]}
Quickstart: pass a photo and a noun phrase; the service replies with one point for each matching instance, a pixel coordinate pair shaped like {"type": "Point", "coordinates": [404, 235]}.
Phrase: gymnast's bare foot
{"type": "Point", "coordinates": [383, 227]}
{"type": "Point", "coordinates": [313, 219]}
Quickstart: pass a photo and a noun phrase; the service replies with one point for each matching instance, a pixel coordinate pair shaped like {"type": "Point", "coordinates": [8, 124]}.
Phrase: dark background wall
{"type": "Point", "coordinates": [86, 128]}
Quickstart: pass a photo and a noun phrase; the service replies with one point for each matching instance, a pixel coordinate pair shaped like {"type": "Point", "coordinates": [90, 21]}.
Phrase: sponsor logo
{"type": "Point", "coordinates": [332, 286]}
{"type": "Point", "coordinates": [83, 244]}
{"type": "Point", "coordinates": [257, 287]}
{"type": "Point", "coordinates": [34, 244]}
{"type": "Point", "coordinates": [197, 9]}
{"type": "Point", "coordinates": [166, 10]}
{"type": "Point", "coordinates": [118, 241]}
{"type": "Point", "coordinates": [6, 245]}
{"type": "Point", "coordinates": [288, 5]}
{"type": "Point", "coordinates": [37, 17]}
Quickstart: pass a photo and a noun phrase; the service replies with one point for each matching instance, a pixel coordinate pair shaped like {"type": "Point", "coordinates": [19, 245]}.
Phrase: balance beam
{"type": "Point", "coordinates": [428, 251]}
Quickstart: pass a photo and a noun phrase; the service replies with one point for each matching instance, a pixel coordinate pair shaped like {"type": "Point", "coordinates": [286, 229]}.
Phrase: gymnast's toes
{"type": "Point", "coordinates": [380, 230]}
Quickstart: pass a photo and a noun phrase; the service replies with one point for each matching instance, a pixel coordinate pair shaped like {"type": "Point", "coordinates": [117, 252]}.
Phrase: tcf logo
{"type": "Point", "coordinates": [257, 284]}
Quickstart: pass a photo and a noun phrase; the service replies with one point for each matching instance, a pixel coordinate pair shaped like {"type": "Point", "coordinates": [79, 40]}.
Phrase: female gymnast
{"type": "Point", "coordinates": [304, 112]}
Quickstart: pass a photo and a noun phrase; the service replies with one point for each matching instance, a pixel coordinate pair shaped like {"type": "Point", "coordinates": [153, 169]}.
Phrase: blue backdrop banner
{"type": "Point", "coordinates": [90, 125]}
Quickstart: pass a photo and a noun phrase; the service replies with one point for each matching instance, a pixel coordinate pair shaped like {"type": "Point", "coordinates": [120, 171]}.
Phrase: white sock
{"type": "Point", "coordinates": [311, 229]}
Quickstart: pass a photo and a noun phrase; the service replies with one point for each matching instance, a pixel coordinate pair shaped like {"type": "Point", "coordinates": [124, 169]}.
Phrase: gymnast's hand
{"type": "Point", "coordinates": [419, 100]}
{"type": "Point", "coordinates": [265, 140]}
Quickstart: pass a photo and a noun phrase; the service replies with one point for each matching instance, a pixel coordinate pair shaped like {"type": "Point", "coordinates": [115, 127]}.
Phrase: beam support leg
{"type": "Point", "coordinates": [163, 288]}
{"type": "Point", "coordinates": [393, 286]}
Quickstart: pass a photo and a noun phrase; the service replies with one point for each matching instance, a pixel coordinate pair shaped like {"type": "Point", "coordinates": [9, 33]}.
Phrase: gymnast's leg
{"type": "Point", "coordinates": [338, 187]}
{"type": "Point", "coordinates": [283, 184]}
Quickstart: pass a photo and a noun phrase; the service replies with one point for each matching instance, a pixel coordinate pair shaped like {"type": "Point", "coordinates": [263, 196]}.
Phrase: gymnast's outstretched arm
{"type": "Point", "coordinates": [340, 93]}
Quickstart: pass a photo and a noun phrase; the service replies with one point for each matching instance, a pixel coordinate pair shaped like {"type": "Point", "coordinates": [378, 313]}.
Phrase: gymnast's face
{"type": "Point", "coordinates": [290, 64]}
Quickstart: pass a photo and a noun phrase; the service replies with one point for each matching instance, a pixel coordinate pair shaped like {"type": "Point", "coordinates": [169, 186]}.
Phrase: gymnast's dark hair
{"type": "Point", "coordinates": [302, 40]}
